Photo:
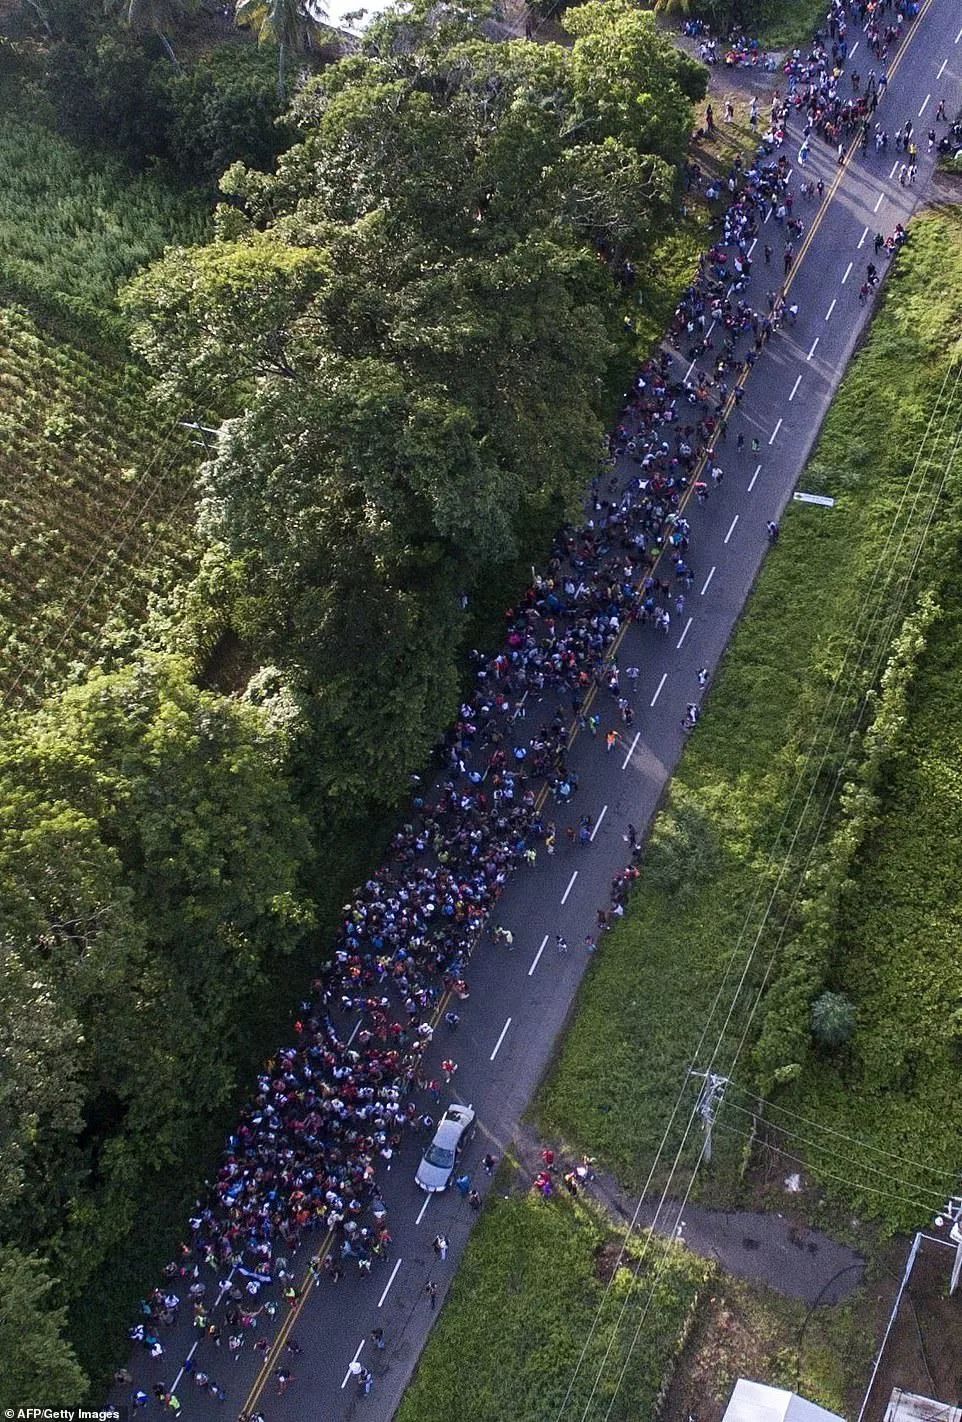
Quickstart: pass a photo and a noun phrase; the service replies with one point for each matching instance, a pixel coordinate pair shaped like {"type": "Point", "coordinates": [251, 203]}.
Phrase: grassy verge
{"type": "Point", "coordinates": [697, 912]}
{"type": "Point", "coordinates": [521, 1308]}
{"type": "Point", "coordinates": [782, 24]}
{"type": "Point", "coordinates": [894, 954]}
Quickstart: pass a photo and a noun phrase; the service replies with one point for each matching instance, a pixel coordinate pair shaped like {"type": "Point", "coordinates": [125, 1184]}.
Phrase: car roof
{"type": "Point", "coordinates": [452, 1125]}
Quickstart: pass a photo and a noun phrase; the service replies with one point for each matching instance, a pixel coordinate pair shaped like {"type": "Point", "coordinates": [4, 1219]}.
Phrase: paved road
{"type": "Point", "coordinates": [520, 999]}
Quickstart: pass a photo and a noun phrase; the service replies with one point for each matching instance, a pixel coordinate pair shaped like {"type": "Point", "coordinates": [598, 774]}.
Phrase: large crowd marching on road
{"type": "Point", "coordinates": [301, 1169]}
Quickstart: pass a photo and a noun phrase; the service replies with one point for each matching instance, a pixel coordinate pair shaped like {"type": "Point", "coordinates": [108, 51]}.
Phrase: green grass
{"type": "Point", "coordinates": [650, 990]}
{"type": "Point", "coordinates": [782, 24]}
{"type": "Point", "coordinates": [521, 1308]}
{"type": "Point", "coordinates": [896, 955]}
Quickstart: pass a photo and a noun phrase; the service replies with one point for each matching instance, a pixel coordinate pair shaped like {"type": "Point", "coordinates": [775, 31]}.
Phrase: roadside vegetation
{"type": "Point", "coordinates": [527, 1293]}
{"type": "Point", "coordinates": [801, 705]}
{"type": "Point", "coordinates": [169, 809]}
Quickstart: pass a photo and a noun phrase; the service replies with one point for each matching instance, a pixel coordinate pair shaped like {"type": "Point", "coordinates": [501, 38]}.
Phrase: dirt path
{"type": "Point", "coordinates": [760, 1246]}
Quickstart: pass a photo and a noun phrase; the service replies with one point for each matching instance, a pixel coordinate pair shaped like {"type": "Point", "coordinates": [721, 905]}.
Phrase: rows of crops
{"type": "Point", "coordinates": [94, 485]}
{"type": "Point", "coordinates": [79, 224]}
{"type": "Point", "coordinates": [94, 501]}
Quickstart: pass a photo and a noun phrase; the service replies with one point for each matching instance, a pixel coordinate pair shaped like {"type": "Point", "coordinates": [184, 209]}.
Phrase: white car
{"type": "Point", "coordinates": [455, 1128]}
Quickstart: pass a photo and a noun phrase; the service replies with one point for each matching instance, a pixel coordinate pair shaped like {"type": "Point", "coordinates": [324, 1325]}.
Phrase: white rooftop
{"type": "Point", "coordinates": [757, 1402]}
{"type": "Point", "coordinates": [910, 1407]}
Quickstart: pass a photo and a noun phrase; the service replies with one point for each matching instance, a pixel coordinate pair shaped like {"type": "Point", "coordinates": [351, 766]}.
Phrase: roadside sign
{"type": "Point", "coordinates": [822, 499]}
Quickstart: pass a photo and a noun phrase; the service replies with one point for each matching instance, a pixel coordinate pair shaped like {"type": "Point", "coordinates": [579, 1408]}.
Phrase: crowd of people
{"type": "Point", "coordinates": [332, 1107]}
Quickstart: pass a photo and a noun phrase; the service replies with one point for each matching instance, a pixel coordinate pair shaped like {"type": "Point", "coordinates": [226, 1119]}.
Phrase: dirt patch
{"type": "Point", "coordinates": [744, 1330]}
{"type": "Point", "coordinates": [922, 1353]}
{"type": "Point", "coordinates": [606, 1260]}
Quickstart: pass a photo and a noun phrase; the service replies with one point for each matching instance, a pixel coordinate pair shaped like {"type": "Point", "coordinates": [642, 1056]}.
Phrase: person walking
{"type": "Point", "coordinates": [431, 1289]}
{"type": "Point", "coordinates": [441, 1246]}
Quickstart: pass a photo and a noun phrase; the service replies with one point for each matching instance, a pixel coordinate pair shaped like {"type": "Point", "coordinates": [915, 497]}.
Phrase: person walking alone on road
{"type": "Point", "coordinates": [431, 1289]}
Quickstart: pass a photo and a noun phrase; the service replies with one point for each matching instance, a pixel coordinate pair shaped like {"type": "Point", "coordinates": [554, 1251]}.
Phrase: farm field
{"type": "Point", "coordinates": [77, 223]}
{"type": "Point", "coordinates": [94, 501]}
{"type": "Point", "coordinates": [94, 486]}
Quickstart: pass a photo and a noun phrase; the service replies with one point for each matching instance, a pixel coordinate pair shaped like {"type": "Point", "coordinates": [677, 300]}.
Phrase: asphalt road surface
{"type": "Point", "coordinates": [520, 998]}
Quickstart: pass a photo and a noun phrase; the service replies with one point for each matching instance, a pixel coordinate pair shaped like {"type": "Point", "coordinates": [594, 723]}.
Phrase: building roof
{"type": "Point", "coordinates": [911, 1407]}
{"type": "Point", "coordinates": [757, 1402]}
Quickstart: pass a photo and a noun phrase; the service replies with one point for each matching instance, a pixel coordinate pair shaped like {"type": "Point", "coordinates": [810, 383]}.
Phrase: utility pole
{"type": "Point", "coordinates": [710, 1097]}
{"type": "Point", "coordinates": [203, 431]}
{"type": "Point", "coordinates": [953, 1212]}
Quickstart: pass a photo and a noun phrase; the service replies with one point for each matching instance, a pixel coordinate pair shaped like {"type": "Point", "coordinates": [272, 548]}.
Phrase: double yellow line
{"type": "Point", "coordinates": [307, 1285]}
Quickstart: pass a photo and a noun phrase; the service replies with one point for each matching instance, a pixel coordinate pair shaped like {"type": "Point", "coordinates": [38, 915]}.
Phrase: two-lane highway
{"type": "Point", "coordinates": [522, 995]}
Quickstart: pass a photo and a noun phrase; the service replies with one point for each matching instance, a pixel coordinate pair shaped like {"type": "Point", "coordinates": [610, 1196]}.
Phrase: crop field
{"type": "Point", "coordinates": [76, 223]}
{"type": "Point", "coordinates": [94, 485]}
{"type": "Point", "coordinates": [94, 501]}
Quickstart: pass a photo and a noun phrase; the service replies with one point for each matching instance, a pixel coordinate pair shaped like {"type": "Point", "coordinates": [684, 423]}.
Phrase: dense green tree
{"type": "Point", "coordinates": [39, 1367]}
{"type": "Point", "coordinates": [220, 109]}
{"type": "Point", "coordinates": [150, 858]}
{"type": "Point", "coordinates": [292, 25]}
{"type": "Point", "coordinates": [414, 312]}
{"type": "Point", "coordinates": [833, 1019]}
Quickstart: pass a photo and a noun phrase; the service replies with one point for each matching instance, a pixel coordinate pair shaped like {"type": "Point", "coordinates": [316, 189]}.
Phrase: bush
{"type": "Point", "coordinates": [833, 1019]}
{"type": "Point", "coordinates": [224, 109]}
{"type": "Point", "coordinates": [198, 119]}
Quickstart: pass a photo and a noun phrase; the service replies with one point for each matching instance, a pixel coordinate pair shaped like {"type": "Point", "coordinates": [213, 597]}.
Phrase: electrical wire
{"type": "Point", "coordinates": [882, 560]}
{"type": "Point", "coordinates": [773, 957]}
{"type": "Point", "coordinates": [766, 1105]}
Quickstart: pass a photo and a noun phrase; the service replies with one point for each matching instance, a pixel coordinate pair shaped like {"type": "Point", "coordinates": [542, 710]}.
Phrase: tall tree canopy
{"type": "Point", "coordinates": [150, 859]}
{"type": "Point", "coordinates": [415, 312]}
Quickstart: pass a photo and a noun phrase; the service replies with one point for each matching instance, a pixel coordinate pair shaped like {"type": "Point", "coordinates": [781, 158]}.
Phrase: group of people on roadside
{"type": "Point", "coordinates": [334, 1105]}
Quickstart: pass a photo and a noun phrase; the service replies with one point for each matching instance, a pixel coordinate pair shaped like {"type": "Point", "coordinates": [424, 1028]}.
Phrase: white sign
{"type": "Point", "coordinates": [822, 499]}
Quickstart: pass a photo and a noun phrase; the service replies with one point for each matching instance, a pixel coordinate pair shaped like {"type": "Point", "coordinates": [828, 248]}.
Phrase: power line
{"type": "Point", "coordinates": [767, 1105]}
{"type": "Point", "coordinates": [848, 1160]}
{"type": "Point", "coordinates": [773, 956]}
{"type": "Point", "coordinates": [796, 790]}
